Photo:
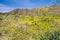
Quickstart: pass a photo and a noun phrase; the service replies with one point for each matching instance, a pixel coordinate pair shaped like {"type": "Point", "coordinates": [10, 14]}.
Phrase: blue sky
{"type": "Point", "coordinates": [8, 5]}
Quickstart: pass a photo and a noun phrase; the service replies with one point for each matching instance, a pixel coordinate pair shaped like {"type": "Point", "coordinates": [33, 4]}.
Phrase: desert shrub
{"type": "Point", "coordinates": [28, 27]}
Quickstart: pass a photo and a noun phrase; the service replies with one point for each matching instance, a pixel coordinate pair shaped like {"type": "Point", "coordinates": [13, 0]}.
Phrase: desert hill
{"type": "Point", "coordinates": [55, 9]}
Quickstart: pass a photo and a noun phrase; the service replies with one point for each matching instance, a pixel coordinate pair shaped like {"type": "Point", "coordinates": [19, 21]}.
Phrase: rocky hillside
{"type": "Point", "coordinates": [25, 11]}
{"type": "Point", "coordinates": [36, 10]}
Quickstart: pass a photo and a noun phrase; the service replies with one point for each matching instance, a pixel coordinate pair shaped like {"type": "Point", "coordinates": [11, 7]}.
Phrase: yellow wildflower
{"type": "Point", "coordinates": [46, 9]}
{"type": "Point", "coordinates": [58, 21]}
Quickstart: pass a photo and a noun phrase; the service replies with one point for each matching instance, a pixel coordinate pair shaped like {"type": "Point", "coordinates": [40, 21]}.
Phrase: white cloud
{"type": "Point", "coordinates": [25, 3]}
{"type": "Point", "coordinates": [4, 8]}
{"type": "Point", "coordinates": [28, 4]}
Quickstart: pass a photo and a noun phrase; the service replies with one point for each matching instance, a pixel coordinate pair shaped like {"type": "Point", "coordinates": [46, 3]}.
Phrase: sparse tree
{"type": "Point", "coordinates": [55, 2]}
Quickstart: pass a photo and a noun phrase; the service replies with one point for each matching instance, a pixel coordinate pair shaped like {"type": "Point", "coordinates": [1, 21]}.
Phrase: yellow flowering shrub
{"type": "Point", "coordinates": [28, 27]}
{"type": "Point", "coordinates": [47, 9]}
{"type": "Point", "coordinates": [57, 20]}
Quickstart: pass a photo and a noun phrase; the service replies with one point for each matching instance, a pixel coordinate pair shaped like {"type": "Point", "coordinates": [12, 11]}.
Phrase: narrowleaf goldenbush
{"type": "Point", "coordinates": [28, 27]}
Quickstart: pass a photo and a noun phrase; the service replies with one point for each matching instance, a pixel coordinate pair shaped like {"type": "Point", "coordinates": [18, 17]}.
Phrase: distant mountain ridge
{"type": "Point", "coordinates": [36, 10]}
